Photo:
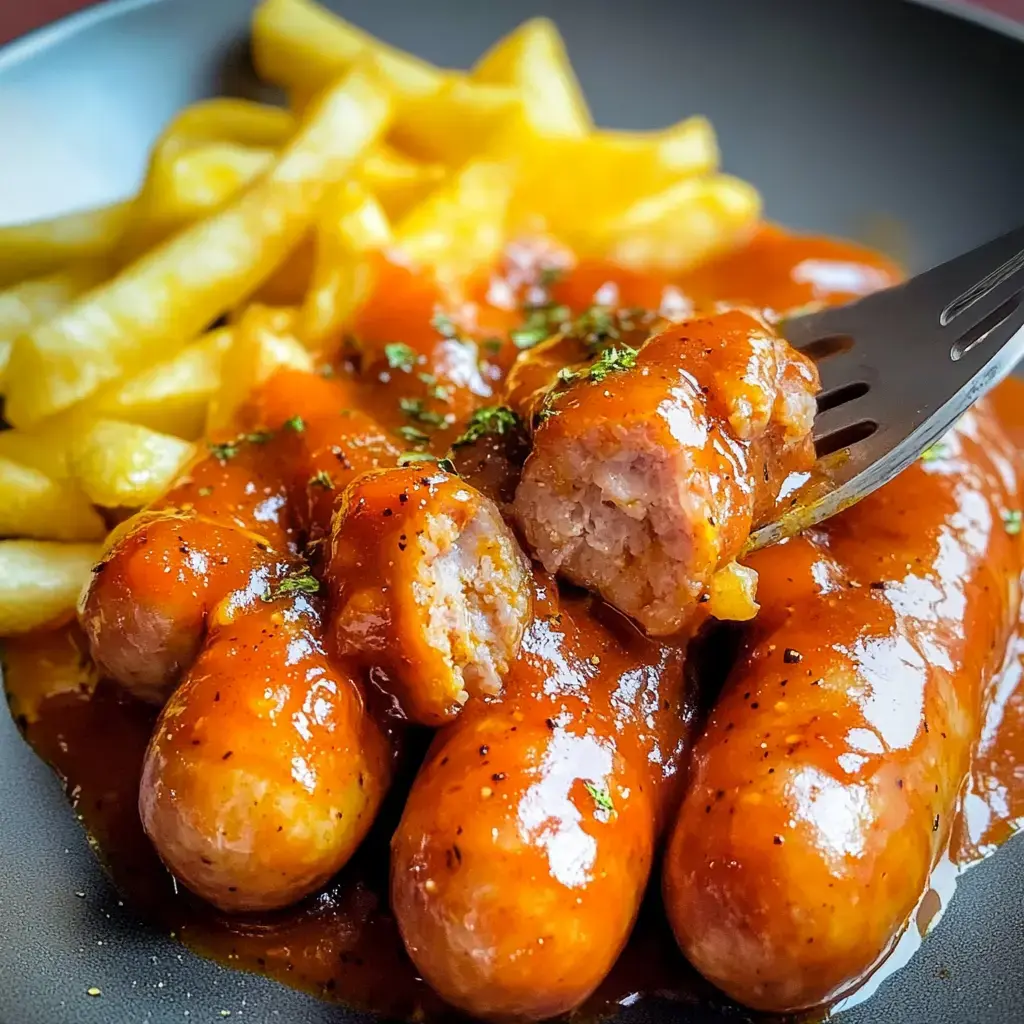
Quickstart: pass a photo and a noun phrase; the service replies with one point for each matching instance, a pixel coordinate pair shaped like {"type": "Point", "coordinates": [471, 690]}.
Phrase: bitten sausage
{"type": "Point", "coordinates": [527, 839]}
{"type": "Point", "coordinates": [428, 583]}
{"type": "Point", "coordinates": [823, 789]}
{"type": "Point", "coordinates": [649, 468]}
{"type": "Point", "coordinates": [264, 771]}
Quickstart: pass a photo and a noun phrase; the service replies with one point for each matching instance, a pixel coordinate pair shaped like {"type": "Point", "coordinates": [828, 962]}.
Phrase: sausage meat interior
{"type": "Point", "coordinates": [389, 462]}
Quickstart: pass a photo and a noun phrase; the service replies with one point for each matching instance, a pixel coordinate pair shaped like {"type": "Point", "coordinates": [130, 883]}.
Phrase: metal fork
{"type": "Point", "coordinates": [899, 367]}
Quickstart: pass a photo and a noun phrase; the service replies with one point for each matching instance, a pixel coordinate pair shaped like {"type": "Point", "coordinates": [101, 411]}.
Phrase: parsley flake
{"type": "Point", "coordinates": [258, 436]}
{"type": "Point", "coordinates": [492, 346]}
{"type": "Point", "coordinates": [612, 360]}
{"type": "Point", "coordinates": [550, 276]}
{"type": "Point", "coordinates": [414, 409]}
{"type": "Point", "coordinates": [411, 458]}
{"type": "Point", "coordinates": [301, 581]}
{"type": "Point", "coordinates": [412, 434]}
{"type": "Point", "coordinates": [400, 356]}
{"type": "Point", "coordinates": [224, 450]}
{"type": "Point", "coordinates": [491, 419]}
{"type": "Point", "coordinates": [445, 326]}
{"type": "Point", "coordinates": [1013, 519]}
{"type": "Point", "coordinates": [322, 479]}
{"type": "Point", "coordinates": [435, 390]}
{"type": "Point", "coordinates": [601, 797]}
{"type": "Point", "coordinates": [937, 451]}
{"type": "Point", "coordinates": [540, 322]}
{"type": "Point", "coordinates": [296, 424]}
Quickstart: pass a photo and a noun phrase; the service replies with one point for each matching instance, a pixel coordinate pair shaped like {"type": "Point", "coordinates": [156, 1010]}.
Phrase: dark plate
{"type": "Point", "coordinates": [873, 119]}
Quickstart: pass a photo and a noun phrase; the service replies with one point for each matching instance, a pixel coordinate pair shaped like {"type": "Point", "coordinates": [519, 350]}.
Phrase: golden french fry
{"type": "Point", "coordinates": [351, 224]}
{"type": "Point", "coordinates": [563, 184]}
{"type": "Point", "coordinates": [302, 47]}
{"type": "Point", "coordinates": [264, 341]}
{"type": "Point", "coordinates": [460, 227]}
{"type": "Point", "coordinates": [45, 448]}
{"type": "Point", "coordinates": [170, 397]}
{"type": "Point", "coordinates": [532, 58]}
{"type": "Point", "coordinates": [687, 223]}
{"type": "Point", "coordinates": [398, 181]}
{"type": "Point", "coordinates": [39, 586]}
{"type": "Point", "coordinates": [123, 465]}
{"type": "Point", "coordinates": [39, 248]}
{"type": "Point", "coordinates": [228, 120]}
{"type": "Point", "coordinates": [457, 121]}
{"type": "Point", "coordinates": [165, 299]}
{"type": "Point", "coordinates": [35, 505]}
{"type": "Point", "coordinates": [25, 305]}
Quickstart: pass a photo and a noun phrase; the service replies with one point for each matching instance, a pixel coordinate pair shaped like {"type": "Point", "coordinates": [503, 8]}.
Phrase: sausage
{"type": "Point", "coordinates": [428, 583]}
{"type": "Point", "coordinates": [264, 771]}
{"type": "Point", "coordinates": [144, 610]}
{"type": "Point", "coordinates": [650, 468]}
{"type": "Point", "coordinates": [526, 842]}
{"type": "Point", "coordinates": [824, 786]}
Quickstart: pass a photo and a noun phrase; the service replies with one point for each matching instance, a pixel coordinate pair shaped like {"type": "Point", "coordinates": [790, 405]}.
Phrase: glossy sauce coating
{"type": "Point", "coordinates": [647, 478]}
{"type": "Point", "coordinates": [427, 583]}
{"type": "Point", "coordinates": [824, 787]}
{"type": "Point", "coordinates": [520, 861]}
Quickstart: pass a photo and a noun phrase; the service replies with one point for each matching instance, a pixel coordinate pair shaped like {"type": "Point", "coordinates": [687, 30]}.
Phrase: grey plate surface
{"type": "Point", "coordinates": [889, 122]}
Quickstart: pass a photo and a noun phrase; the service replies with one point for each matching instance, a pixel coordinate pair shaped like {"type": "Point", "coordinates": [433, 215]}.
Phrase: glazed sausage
{"type": "Point", "coordinates": [649, 469]}
{"type": "Point", "coordinates": [144, 610]}
{"type": "Point", "coordinates": [526, 842]}
{"type": "Point", "coordinates": [428, 583]}
{"type": "Point", "coordinates": [823, 789]}
{"type": "Point", "coordinates": [264, 771]}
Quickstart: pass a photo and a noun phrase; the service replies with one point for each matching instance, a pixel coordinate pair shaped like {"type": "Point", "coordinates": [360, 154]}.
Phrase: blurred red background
{"type": "Point", "coordinates": [19, 16]}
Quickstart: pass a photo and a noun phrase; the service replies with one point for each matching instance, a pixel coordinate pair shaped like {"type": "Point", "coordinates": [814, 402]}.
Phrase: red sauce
{"type": "Point", "coordinates": [343, 943]}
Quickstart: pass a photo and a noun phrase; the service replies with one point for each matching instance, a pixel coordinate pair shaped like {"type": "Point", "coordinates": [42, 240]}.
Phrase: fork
{"type": "Point", "coordinates": [899, 367]}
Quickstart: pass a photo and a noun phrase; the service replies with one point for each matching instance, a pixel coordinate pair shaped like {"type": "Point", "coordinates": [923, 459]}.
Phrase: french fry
{"type": "Point", "coordinates": [673, 230]}
{"type": "Point", "coordinates": [397, 181]}
{"type": "Point", "coordinates": [264, 341]}
{"type": "Point", "coordinates": [39, 586]}
{"type": "Point", "coordinates": [533, 59]}
{"type": "Point", "coordinates": [165, 299]}
{"type": "Point", "coordinates": [460, 227]}
{"type": "Point", "coordinates": [123, 465]}
{"type": "Point", "coordinates": [352, 224]}
{"type": "Point", "coordinates": [44, 448]}
{"type": "Point", "coordinates": [562, 183]}
{"type": "Point", "coordinates": [170, 397]}
{"type": "Point", "coordinates": [44, 246]}
{"type": "Point", "coordinates": [457, 121]}
{"type": "Point", "coordinates": [302, 47]}
{"type": "Point", "coordinates": [35, 505]}
{"type": "Point", "coordinates": [228, 120]}
{"type": "Point", "coordinates": [25, 305]}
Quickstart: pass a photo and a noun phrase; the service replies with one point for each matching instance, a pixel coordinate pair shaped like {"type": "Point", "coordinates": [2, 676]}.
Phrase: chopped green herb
{"type": "Point", "coordinates": [599, 324]}
{"type": "Point", "coordinates": [540, 322]}
{"type": "Point", "coordinates": [412, 434]}
{"type": "Point", "coordinates": [939, 450]}
{"type": "Point", "coordinates": [258, 436]}
{"type": "Point", "coordinates": [491, 419]}
{"type": "Point", "coordinates": [224, 450]}
{"type": "Point", "coordinates": [550, 276]}
{"type": "Point", "coordinates": [322, 479]}
{"type": "Point", "coordinates": [493, 346]}
{"type": "Point", "coordinates": [601, 797]}
{"type": "Point", "coordinates": [296, 423]}
{"type": "Point", "coordinates": [205, 492]}
{"type": "Point", "coordinates": [400, 356]}
{"type": "Point", "coordinates": [1013, 519]}
{"type": "Point", "coordinates": [612, 360]}
{"type": "Point", "coordinates": [438, 391]}
{"type": "Point", "coordinates": [411, 458]}
{"type": "Point", "coordinates": [445, 326]}
{"type": "Point", "coordinates": [301, 581]}
{"type": "Point", "coordinates": [414, 409]}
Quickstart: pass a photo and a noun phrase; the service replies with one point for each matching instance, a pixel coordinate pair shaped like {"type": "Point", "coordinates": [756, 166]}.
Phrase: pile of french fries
{"type": "Point", "coordinates": [268, 221]}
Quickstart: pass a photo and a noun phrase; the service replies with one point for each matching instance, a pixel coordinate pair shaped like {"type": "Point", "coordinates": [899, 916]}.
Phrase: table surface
{"type": "Point", "coordinates": [20, 16]}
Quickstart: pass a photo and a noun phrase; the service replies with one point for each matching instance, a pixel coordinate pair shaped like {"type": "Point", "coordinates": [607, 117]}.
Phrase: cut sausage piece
{"type": "Point", "coordinates": [650, 468]}
{"type": "Point", "coordinates": [526, 842]}
{"type": "Point", "coordinates": [144, 610]}
{"type": "Point", "coordinates": [823, 789]}
{"type": "Point", "coordinates": [428, 583]}
{"type": "Point", "coordinates": [264, 771]}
